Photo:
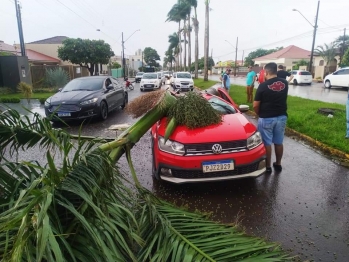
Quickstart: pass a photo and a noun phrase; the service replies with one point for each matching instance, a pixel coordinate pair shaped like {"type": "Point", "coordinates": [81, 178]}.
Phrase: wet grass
{"type": "Point", "coordinates": [200, 83]}
{"type": "Point", "coordinates": [304, 118]}
{"type": "Point", "coordinates": [21, 96]}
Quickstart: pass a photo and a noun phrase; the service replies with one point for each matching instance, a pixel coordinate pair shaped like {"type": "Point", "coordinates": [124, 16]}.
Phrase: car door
{"type": "Point", "coordinates": [110, 95]}
{"type": "Point", "coordinates": [335, 78]}
{"type": "Point", "coordinates": [120, 93]}
{"type": "Point", "coordinates": [345, 80]}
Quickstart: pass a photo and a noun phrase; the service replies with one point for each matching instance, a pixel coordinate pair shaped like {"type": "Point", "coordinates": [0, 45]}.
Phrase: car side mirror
{"type": "Point", "coordinates": [244, 108]}
{"type": "Point", "coordinates": [60, 89]}
{"type": "Point", "coordinates": [110, 87]}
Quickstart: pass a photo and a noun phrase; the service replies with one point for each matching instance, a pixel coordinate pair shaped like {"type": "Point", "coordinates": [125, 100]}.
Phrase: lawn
{"type": "Point", "coordinates": [200, 83]}
{"type": "Point", "coordinates": [34, 95]}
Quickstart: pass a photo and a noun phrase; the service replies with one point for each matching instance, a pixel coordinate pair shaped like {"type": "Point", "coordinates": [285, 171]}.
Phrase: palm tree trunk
{"type": "Point", "coordinates": [206, 43]}
{"type": "Point", "coordinates": [185, 46]}
{"type": "Point", "coordinates": [180, 44]}
{"type": "Point", "coordinates": [189, 43]}
{"type": "Point", "coordinates": [196, 25]}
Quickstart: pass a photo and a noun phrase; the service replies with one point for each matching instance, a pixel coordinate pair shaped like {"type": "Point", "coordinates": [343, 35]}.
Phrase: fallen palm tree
{"type": "Point", "coordinates": [78, 206]}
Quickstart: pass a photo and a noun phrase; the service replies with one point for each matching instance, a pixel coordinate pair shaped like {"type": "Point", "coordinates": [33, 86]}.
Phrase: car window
{"type": "Point", "coordinates": [139, 74]}
{"type": "Point", "coordinates": [305, 73]}
{"type": "Point", "coordinates": [150, 76]}
{"type": "Point", "coordinates": [346, 72]}
{"type": "Point", "coordinates": [116, 84]}
{"type": "Point", "coordinates": [184, 75]}
{"type": "Point", "coordinates": [84, 84]}
{"type": "Point", "coordinates": [342, 72]}
{"type": "Point", "coordinates": [221, 106]}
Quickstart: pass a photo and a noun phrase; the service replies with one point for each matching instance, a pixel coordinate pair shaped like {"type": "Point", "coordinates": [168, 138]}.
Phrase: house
{"type": "Point", "coordinates": [319, 64]}
{"type": "Point", "coordinates": [287, 57]}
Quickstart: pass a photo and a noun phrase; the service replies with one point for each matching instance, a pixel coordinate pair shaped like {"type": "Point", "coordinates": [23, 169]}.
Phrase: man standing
{"type": "Point", "coordinates": [283, 74]}
{"type": "Point", "coordinates": [270, 104]}
{"type": "Point", "coordinates": [226, 80]}
{"type": "Point", "coordinates": [250, 78]}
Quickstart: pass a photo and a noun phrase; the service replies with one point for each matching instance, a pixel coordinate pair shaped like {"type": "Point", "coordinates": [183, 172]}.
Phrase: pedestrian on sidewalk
{"type": "Point", "coordinates": [250, 79]}
{"type": "Point", "coordinates": [270, 104]}
{"type": "Point", "coordinates": [284, 74]}
{"type": "Point", "coordinates": [261, 76]}
{"type": "Point", "coordinates": [226, 80]}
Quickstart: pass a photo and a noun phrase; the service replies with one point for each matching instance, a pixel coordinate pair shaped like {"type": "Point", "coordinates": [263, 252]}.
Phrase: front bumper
{"type": "Point", "coordinates": [79, 112]}
{"type": "Point", "coordinates": [188, 169]}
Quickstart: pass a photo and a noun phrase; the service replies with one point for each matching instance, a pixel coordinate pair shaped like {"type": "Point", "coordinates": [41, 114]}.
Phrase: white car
{"type": "Point", "coordinates": [150, 81]}
{"type": "Point", "coordinates": [182, 81]}
{"type": "Point", "coordinates": [162, 78]}
{"type": "Point", "coordinates": [301, 77]}
{"type": "Point", "coordinates": [339, 78]}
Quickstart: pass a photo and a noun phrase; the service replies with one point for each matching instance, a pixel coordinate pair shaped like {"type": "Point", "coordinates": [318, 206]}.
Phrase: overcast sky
{"type": "Point", "coordinates": [257, 24]}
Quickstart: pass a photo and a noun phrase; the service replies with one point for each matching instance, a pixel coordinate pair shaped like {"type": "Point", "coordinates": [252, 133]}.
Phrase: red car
{"type": "Point", "coordinates": [230, 150]}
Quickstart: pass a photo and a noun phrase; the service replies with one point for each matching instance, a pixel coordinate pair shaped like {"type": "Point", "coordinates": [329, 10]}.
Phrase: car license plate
{"type": "Point", "coordinates": [63, 114]}
{"type": "Point", "coordinates": [216, 166]}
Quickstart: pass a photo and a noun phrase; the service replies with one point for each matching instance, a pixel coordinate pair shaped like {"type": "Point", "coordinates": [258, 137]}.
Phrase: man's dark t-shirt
{"type": "Point", "coordinates": [272, 95]}
{"type": "Point", "coordinates": [283, 74]}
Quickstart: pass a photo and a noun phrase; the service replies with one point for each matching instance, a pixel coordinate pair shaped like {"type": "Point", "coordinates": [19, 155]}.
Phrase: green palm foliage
{"type": "Point", "coordinates": [77, 205]}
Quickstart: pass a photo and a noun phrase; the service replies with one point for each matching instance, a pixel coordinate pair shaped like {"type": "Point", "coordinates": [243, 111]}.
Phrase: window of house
{"type": "Point", "coordinates": [321, 63]}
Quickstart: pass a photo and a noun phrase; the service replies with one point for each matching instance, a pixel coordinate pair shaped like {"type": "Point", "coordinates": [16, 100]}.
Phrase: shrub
{"type": "Point", "coordinates": [45, 90]}
{"type": "Point", "coordinates": [56, 78]}
{"type": "Point", "coordinates": [6, 90]}
{"type": "Point", "coordinates": [10, 100]}
{"type": "Point", "coordinates": [42, 100]}
{"type": "Point", "coordinates": [26, 90]}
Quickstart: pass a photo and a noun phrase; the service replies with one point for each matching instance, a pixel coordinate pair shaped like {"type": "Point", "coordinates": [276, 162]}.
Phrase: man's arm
{"type": "Point", "coordinates": [290, 77]}
{"type": "Point", "coordinates": [254, 79]}
{"type": "Point", "coordinates": [225, 81]}
{"type": "Point", "coordinates": [256, 106]}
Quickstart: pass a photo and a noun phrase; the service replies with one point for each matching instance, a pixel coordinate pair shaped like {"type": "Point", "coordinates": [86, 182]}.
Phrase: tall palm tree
{"type": "Point", "coordinates": [343, 44]}
{"type": "Point", "coordinates": [174, 45]}
{"type": "Point", "coordinates": [194, 4]}
{"type": "Point", "coordinates": [206, 43]}
{"type": "Point", "coordinates": [327, 52]}
{"type": "Point", "coordinates": [170, 58]}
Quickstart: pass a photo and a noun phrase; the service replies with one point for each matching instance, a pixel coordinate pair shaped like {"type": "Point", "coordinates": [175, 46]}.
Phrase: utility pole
{"type": "Point", "coordinates": [314, 36]}
{"type": "Point", "coordinates": [343, 46]}
{"type": "Point", "coordinates": [242, 60]}
{"type": "Point", "coordinates": [20, 28]}
{"type": "Point", "coordinates": [123, 55]}
{"type": "Point", "coordinates": [236, 55]}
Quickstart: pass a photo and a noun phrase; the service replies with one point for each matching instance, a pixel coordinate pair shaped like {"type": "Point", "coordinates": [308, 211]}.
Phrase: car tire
{"type": "Point", "coordinates": [125, 101]}
{"type": "Point", "coordinates": [295, 82]}
{"type": "Point", "coordinates": [103, 110]}
{"type": "Point", "coordinates": [154, 172]}
{"type": "Point", "coordinates": [142, 90]}
{"type": "Point", "coordinates": [328, 84]}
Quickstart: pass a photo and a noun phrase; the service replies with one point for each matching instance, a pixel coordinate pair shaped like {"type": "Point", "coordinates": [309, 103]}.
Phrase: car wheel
{"type": "Point", "coordinates": [309, 84]}
{"type": "Point", "coordinates": [295, 82]}
{"type": "Point", "coordinates": [328, 84]}
{"type": "Point", "coordinates": [125, 101]}
{"type": "Point", "coordinates": [103, 110]}
{"type": "Point", "coordinates": [155, 173]}
{"type": "Point", "coordinates": [142, 90]}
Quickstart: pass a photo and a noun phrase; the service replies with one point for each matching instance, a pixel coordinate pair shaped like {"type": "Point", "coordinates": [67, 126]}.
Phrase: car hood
{"type": "Point", "coordinates": [72, 96]}
{"type": "Point", "coordinates": [233, 127]}
{"type": "Point", "coordinates": [149, 80]}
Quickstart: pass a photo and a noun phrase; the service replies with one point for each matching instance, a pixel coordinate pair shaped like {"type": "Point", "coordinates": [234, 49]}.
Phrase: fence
{"type": "Point", "coordinates": [38, 73]}
{"type": "Point", "coordinates": [117, 73]}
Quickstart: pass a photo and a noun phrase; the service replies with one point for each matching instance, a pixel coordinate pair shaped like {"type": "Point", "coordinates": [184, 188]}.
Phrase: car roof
{"type": "Point", "coordinates": [95, 77]}
{"type": "Point", "coordinates": [182, 72]}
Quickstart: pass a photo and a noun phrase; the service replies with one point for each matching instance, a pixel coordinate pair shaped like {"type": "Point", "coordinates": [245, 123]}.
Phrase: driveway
{"type": "Point", "coordinates": [305, 207]}
{"type": "Point", "coordinates": [314, 92]}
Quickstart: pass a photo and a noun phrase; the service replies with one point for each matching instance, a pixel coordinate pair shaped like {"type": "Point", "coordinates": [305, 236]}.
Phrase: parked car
{"type": "Point", "coordinates": [167, 74]}
{"type": "Point", "coordinates": [150, 81]}
{"type": "Point", "coordinates": [183, 81]}
{"type": "Point", "coordinates": [339, 78]}
{"type": "Point", "coordinates": [139, 77]}
{"type": "Point", "coordinates": [162, 78]}
{"type": "Point", "coordinates": [301, 77]}
{"type": "Point", "coordinates": [230, 150]}
{"type": "Point", "coordinates": [85, 97]}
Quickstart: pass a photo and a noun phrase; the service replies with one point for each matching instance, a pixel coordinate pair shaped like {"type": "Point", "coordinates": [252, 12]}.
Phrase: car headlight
{"type": "Point", "coordinates": [90, 101]}
{"type": "Point", "coordinates": [171, 147]}
{"type": "Point", "coordinates": [47, 103]}
{"type": "Point", "coordinates": [254, 140]}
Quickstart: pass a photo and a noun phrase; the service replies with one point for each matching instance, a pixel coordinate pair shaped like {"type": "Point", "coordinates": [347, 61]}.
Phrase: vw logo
{"type": "Point", "coordinates": [217, 149]}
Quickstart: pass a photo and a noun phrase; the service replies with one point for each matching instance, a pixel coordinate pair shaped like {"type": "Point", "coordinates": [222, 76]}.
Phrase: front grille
{"type": "Point", "coordinates": [65, 108]}
{"type": "Point", "coordinates": [149, 86]}
{"type": "Point", "coordinates": [185, 83]}
{"type": "Point", "coordinates": [239, 170]}
{"type": "Point", "coordinates": [237, 145]}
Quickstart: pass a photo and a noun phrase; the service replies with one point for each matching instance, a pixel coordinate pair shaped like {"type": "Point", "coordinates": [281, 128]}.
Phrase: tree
{"type": "Point", "coordinates": [85, 52]}
{"type": "Point", "coordinates": [174, 46]}
{"type": "Point", "coordinates": [343, 44]}
{"type": "Point", "coordinates": [299, 63]}
{"type": "Point", "coordinates": [151, 56]}
{"type": "Point", "coordinates": [194, 3]}
{"type": "Point", "coordinates": [201, 64]}
{"type": "Point", "coordinates": [345, 61]}
{"type": "Point", "coordinates": [169, 58]}
{"type": "Point", "coordinates": [115, 65]}
{"type": "Point", "coordinates": [206, 42]}
{"type": "Point", "coordinates": [327, 52]}
{"type": "Point", "coordinates": [249, 60]}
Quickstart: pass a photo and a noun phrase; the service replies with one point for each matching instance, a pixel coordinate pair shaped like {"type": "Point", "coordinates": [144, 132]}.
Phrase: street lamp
{"type": "Point", "coordinates": [123, 49]}
{"type": "Point", "coordinates": [236, 53]}
{"type": "Point", "coordinates": [314, 35]}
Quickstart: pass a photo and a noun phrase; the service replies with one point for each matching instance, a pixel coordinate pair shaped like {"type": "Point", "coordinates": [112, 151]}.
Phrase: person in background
{"type": "Point", "coordinates": [261, 76]}
{"type": "Point", "coordinates": [270, 104]}
{"type": "Point", "coordinates": [283, 74]}
{"type": "Point", "coordinates": [226, 80]}
{"type": "Point", "coordinates": [250, 79]}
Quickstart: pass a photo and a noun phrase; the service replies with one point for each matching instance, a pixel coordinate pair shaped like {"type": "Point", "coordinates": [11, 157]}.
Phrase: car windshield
{"type": "Point", "coordinates": [305, 73]}
{"type": "Point", "coordinates": [150, 76]}
{"type": "Point", "coordinates": [139, 74]}
{"type": "Point", "coordinates": [166, 72]}
{"type": "Point", "coordinates": [84, 84]}
{"type": "Point", "coordinates": [221, 106]}
{"type": "Point", "coordinates": [183, 75]}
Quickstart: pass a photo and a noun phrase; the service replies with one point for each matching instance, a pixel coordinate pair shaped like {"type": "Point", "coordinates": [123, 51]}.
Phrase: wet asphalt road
{"type": "Point", "coordinates": [305, 207]}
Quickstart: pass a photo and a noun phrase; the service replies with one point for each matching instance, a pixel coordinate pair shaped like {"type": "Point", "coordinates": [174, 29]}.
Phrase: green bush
{"type": "Point", "coordinates": [42, 100]}
{"type": "Point", "coordinates": [45, 90]}
{"type": "Point", "coordinates": [56, 78]}
{"type": "Point", "coordinates": [10, 100]}
{"type": "Point", "coordinates": [26, 90]}
{"type": "Point", "coordinates": [6, 90]}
